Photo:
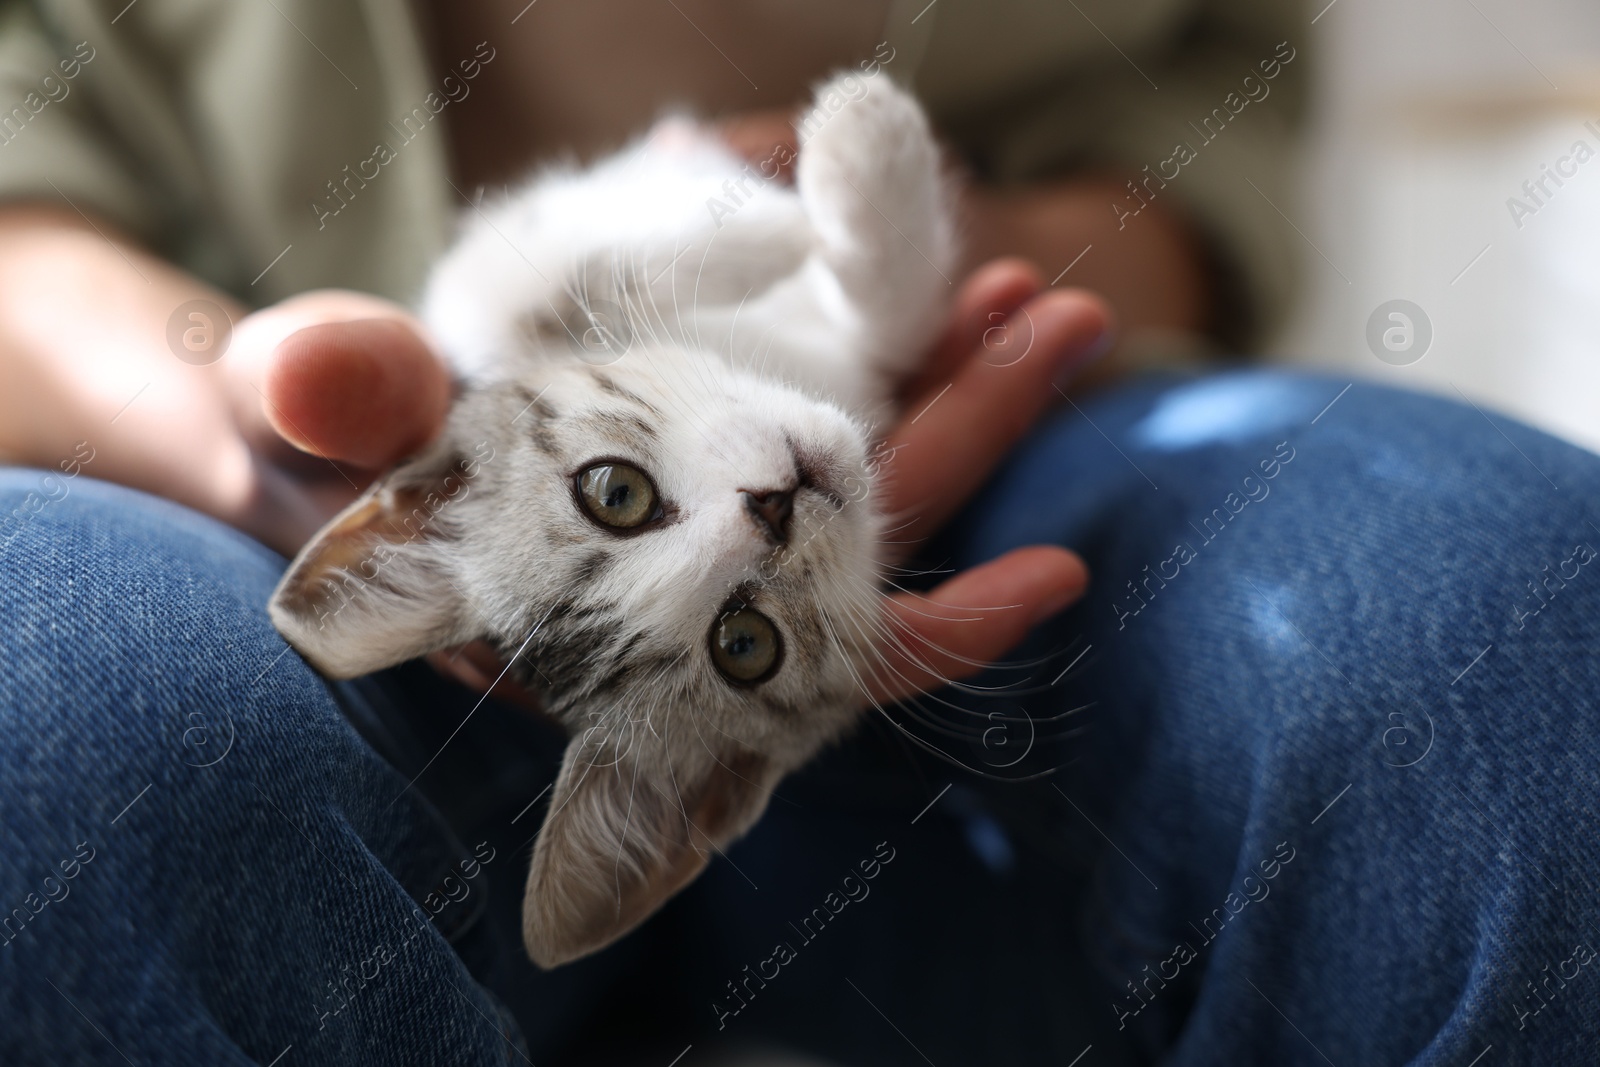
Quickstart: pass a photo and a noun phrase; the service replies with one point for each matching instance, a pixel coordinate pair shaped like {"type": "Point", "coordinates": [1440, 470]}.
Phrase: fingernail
{"type": "Point", "coordinates": [1077, 358]}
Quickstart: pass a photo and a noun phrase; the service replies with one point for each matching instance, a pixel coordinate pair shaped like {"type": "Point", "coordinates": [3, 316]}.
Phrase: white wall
{"type": "Point", "coordinates": [1431, 114]}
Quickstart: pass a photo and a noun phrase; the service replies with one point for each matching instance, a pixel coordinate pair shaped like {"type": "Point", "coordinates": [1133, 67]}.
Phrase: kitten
{"type": "Point", "coordinates": [654, 492]}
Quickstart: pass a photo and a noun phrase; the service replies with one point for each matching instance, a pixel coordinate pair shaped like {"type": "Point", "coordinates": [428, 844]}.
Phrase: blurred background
{"type": "Point", "coordinates": [1429, 117]}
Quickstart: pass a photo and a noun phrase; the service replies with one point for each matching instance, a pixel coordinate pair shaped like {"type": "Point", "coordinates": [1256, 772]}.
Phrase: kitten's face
{"type": "Point", "coordinates": [675, 534]}
{"type": "Point", "coordinates": [679, 556]}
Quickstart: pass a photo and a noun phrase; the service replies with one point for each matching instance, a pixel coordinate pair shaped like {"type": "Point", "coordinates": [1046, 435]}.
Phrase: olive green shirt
{"type": "Point", "coordinates": [273, 146]}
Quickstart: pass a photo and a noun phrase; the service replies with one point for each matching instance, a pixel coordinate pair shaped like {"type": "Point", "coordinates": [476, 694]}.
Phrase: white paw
{"type": "Point", "coordinates": [855, 119]}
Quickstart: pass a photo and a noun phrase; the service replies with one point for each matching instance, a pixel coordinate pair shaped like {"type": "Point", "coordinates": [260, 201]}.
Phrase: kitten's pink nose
{"type": "Point", "coordinates": [771, 511]}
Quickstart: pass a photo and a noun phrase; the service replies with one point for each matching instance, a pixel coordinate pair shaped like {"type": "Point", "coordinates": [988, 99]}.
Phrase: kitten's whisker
{"type": "Point", "coordinates": [911, 657]}
{"type": "Point", "coordinates": [898, 635]}
{"type": "Point", "coordinates": [763, 346]}
{"type": "Point", "coordinates": [915, 572]}
{"type": "Point", "coordinates": [926, 746]}
{"type": "Point", "coordinates": [896, 638]}
{"type": "Point", "coordinates": [713, 752]}
{"type": "Point", "coordinates": [695, 298]}
{"type": "Point", "coordinates": [924, 716]}
{"type": "Point", "coordinates": [627, 823]}
{"type": "Point", "coordinates": [918, 601]}
{"type": "Point", "coordinates": [893, 528]}
{"type": "Point", "coordinates": [733, 329]}
{"type": "Point", "coordinates": [884, 664]}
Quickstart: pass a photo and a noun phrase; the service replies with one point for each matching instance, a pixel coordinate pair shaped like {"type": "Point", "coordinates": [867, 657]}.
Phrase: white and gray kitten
{"type": "Point", "coordinates": [654, 491]}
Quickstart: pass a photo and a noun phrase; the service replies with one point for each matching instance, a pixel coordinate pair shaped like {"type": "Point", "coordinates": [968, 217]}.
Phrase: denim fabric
{"type": "Point", "coordinates": [1308, 777]}
{"type": "Point", "coordinates": [203, 862]}
{"type": "Point", "coordinates": [1325, 793]}
{"type": "Point", "coordinates": [1386, 667]}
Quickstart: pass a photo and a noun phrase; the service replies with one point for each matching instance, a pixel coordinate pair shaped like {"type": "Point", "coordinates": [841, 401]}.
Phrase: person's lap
{"type": "Point", "coordinates": [1343, 667]}
{"type": "Point", "coordinates": [1299, 689]}
{"type": "Point", "coordinates": [1337, 680]}
{"type": "Point", "coordinates": [239, 863]}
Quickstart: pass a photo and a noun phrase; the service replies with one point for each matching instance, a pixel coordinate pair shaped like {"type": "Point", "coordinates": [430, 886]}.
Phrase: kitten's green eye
{"type": "Point", "coordinates": [618, 495]}
{"type": "Point", "coordinates": [745, 646]}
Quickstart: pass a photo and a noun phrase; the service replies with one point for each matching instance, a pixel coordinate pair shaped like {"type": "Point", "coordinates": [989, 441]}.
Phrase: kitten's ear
{"type": "Point", "coordinates": [371, 589]}
{"type": "Point", "coordinates": [627, 829]}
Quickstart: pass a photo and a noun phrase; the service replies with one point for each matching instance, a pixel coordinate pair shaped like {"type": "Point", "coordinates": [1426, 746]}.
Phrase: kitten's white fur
{"type": "Point", "coordinates": [610, 313]}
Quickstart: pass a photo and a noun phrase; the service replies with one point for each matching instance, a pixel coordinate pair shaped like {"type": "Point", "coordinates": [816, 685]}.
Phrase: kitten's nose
{"type": "Point", "coordinates": [771, 511]}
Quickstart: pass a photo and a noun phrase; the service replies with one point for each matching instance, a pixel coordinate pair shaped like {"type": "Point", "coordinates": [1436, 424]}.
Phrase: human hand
{"type": "Point", "coordinates": [91, 356]}
{"type": "Point", "coordinates": [348, 378]}
{"type": "Point", "coordinates": [330, 388]}
{"type": "Point", "coordinates": [1009, 340]}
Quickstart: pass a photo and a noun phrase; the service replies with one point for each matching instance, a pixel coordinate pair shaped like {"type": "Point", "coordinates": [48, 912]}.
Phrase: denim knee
{"type": "Point", "coordinates": [134, 641]}
{"type": "Point", "coordinates": [1345, 637]}
{"type": "Point", "coordinates": [181, 794]}
{"type": "Point", "coordinates": [138, 653]}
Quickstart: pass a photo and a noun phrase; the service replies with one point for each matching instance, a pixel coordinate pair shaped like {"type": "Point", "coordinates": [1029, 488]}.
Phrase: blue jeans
{"type": "Point", "coordinates": [1310, 776]}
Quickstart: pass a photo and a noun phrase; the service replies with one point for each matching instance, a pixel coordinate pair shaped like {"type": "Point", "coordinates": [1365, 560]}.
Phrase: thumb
{"type": "Point", "coordinates": [366, 392]}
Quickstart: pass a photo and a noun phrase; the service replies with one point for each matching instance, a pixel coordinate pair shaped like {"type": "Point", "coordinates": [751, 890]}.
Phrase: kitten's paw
{"type": "Point", "coordinates": [869, 176]}
{"type": "Point", "coordinates": [868, 163]}
{"type": "Point", "coordinates": [854, 116]}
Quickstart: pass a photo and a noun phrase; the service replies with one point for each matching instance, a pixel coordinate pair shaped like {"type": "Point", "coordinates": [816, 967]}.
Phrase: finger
{"type": "Point", "coordinates": [368, 392]}
{"type": "Point", "coordinates": [254, 350]}
{"type": "Point", "coordinates": [987, 298]}
{"type": "Point", "coordinates": [973, 619]}
{"type": "Point", "coordinates": [952, 439]}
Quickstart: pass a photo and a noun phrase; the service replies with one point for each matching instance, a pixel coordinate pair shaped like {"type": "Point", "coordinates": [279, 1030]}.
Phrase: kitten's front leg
{"type": "Point", "coordinates": [870, 180]}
